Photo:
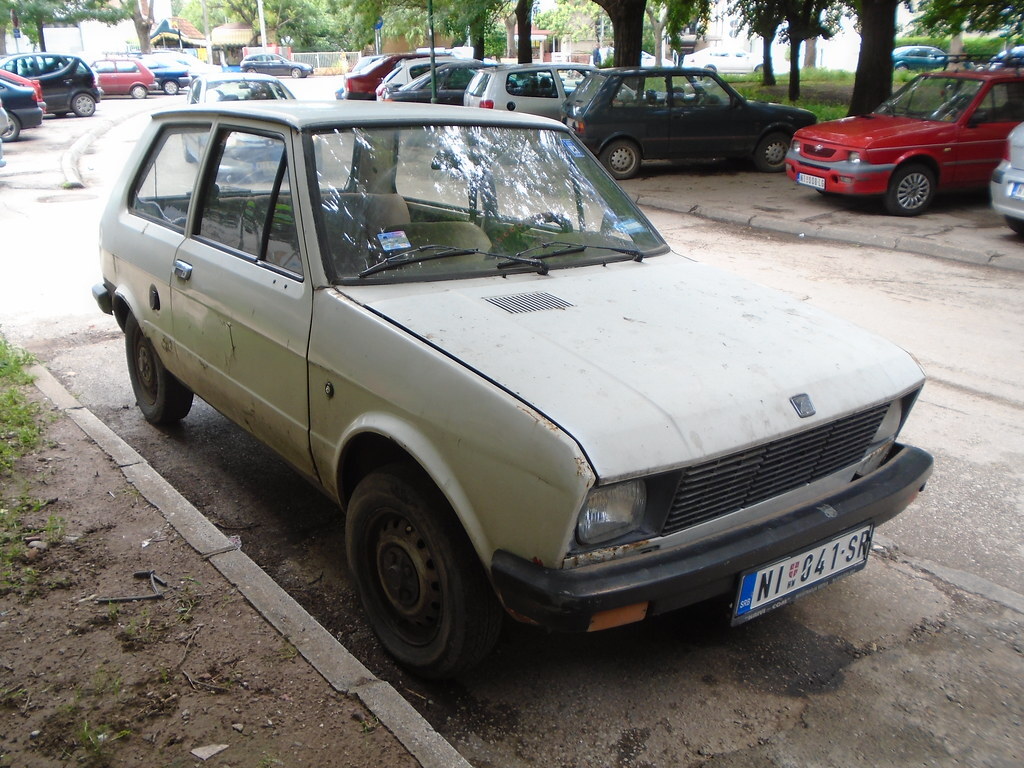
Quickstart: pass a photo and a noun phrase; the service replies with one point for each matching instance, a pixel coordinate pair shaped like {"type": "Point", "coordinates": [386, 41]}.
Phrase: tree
{"type": "Point", "coordinates": [954, 16]}
{"type": "Point", "coordinates": [524, 25]}
{"type": "Point", "coordinates": [763, 18]}
{"type": "Point", "coordinates": [627, 18]}
{"type": "Point", "coordinates": [142, 18]}
{"type": "Point", "coordinates": [806, 19]}
{"type": "Point", "coordinates": [35, 14]}
{"type": "Point", "coordinates": [873, 82]}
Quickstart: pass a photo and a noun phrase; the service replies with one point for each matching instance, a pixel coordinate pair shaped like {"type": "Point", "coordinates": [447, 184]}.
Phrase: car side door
{"type": "Point", "coordinates": [982, 139]}
{"type": "Point", "coordinates": [533, 91]}
{"type": "Point", "coordinates": [242, 300]}
{"type": "Point", "coordinates": [706, 120]}
{"type": "Point", "coordinates": [639, 108]}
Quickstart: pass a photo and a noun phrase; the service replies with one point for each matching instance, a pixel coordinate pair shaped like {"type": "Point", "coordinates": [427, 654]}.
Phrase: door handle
{"type": "Point", "coordinates": [182, 269]}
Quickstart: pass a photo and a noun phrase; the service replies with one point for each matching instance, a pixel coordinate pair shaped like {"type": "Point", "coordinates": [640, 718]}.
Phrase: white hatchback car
{"type": "Point", "coordinates": [724, 61]}
{"type": "Point", "coordinates": [538, 89]}
{"type": "Point", "coordinates": [458, 326]}
{"type": "Point", "coordinates": [1007, 184]}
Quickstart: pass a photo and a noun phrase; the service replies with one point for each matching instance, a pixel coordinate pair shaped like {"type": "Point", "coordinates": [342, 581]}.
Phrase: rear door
{"type": "Point", "coordinates": [531, 90]}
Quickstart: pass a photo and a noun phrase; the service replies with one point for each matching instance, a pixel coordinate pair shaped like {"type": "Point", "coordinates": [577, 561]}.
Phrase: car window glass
{"type": "Point", "coordinates": [459, 77]}
{"type": "Point", "coordinates": [103, 67]}
{"type": "Point", "coordinates": [708, 92]}
{"type": "Point", "coordinates": [51, 64]}
{"type": "Point", "coordinates": [163, 191]}
{"type": "Point", "coordinates": [126, 66]}
{"type": "Point", "coordinates": [247, 203]}
{"type": "Point", "coordinates": [478, 85]}
{"type": "Point", "coordinates": [1005, 103]}
{"type": "Point", "coordinates": [571, 78]}
{"type": "Point", "coordinates": [641, 92]}
{"type": "Point", "coordinates": [531, 84]}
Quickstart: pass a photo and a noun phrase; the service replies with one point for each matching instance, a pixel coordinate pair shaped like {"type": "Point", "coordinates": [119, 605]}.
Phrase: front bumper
{"type": "Point", "coordinates": [842, 178]}
{"type": "Point", "coordinates": [580, 599]}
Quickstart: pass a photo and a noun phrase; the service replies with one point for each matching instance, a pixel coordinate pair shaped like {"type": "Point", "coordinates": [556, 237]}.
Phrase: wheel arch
{"type": "Point", "coordinates": [919, 159]}
{"type": "Point", "coordinates": [621, 135]}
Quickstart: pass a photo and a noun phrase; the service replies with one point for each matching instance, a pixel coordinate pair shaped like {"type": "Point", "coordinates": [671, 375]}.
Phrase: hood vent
{"type": "Point", "coordinates": [528, 302]}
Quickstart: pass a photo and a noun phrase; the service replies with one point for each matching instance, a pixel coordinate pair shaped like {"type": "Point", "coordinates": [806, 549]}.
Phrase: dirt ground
{"type": "Point", "coordinates": [164, 681]}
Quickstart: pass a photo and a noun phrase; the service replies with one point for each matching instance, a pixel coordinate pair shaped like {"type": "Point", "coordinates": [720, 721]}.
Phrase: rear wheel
{"type": "Point", "coordinates": [621, 158]}
{"type": "Point", "coordinates": [418, 577]}
{"type": "Point", "coordinates": [171, 87]}
{"type": "Point", "coordinates": [138, 91]}
{"type": "Point", "coordinates": [83, 105]}
{"type": "Point", "coordinates": [770, 153]}
{"type": "Point", "coordinates": [160, 396]}
{"type": "Point", "coordinates": [13, 132]}
{"type": "Point", "coordinates": [911, 189]}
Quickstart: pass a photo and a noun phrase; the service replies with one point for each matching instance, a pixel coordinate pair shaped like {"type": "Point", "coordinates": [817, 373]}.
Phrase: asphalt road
{"type": "Point", "coordinates": [915, 661]}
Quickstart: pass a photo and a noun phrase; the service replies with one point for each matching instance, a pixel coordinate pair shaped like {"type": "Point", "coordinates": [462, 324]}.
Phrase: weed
{"type": "Point", "coordinates": [287, 652]}
{"type": "Point", "coordinates": [188, 600]}
{"type": "Point", "coordinates": [19, 427]}
{"type": "Point", "coordinates": [95, 740]}
{"type": "Point", "coordinates": [268, 762]}
{"type": "Point", "coordinates": [12, 698]}
{"type": "Point", "coordinates": [106, 683]}
{"type": "Point", "coordinates": [140, 631]}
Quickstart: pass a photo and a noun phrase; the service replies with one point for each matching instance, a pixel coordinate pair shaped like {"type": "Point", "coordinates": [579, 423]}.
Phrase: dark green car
{"type": "Point", "coordinates": [627, 115]}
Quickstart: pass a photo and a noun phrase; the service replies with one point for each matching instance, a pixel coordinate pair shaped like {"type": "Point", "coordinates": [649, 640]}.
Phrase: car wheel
{"type": "Point", "coordinates": [621, 158]}
{"type": "Point", "coordinates": [902, 67]}
{"type": "Point", "coordinates": [757, 69]}
{"type": "Point", "coordinates": [911, 189]}
{"type": "Point", "coordinates": [160, 396]}
{"type": "Point", "coordinates": [1017, 225]}
{"type": "Point", "coordinates": [138, 92]}
{"type": "Point", "coordinates": [419, 580]}
{"type": "Point", "coordinates": [13, 132]}
{"type": "Point", "coordinates": [770, 153]}
{"type": "Point", "coordinates": [83, 105]}
{"type": "Point", "coordinates": [249, 70]}
{"type": "Point", "coordinates": [171, 87]}
{"type": "Point", "coordinates": [296, 73]}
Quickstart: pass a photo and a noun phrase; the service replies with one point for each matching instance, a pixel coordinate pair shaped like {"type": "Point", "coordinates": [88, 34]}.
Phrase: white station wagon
{"type": "Point", "coordinates": [457, 325]}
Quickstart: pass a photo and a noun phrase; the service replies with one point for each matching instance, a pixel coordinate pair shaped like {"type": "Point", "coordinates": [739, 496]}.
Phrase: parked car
{"type": "Point", "coordinates": [234, 86]}
{"type": "Point", "coordinates": [597, 429]}
{"type": "Point", "coordinates": [4, 126]}
{"type": "Point", "coordinates": [360, 84]}
{"type": "Point", "coordinates": [1007, 184]}
{"type": "Point", "coordinates": [452, 80]}
{"type": "Point", "coordinates": [125, 77]}
{"type": "Point", "coordinates": [406, 70]}
{"type": "Point", "coordinates": [1011, 58]}
{"type": "Point", "coordinates": [919, 57]}
{"type": "Point", "coordinates": [171, 76]}
{"type": "Point", "coordinates": [941, 131]}
{"type": "Point", "coordinates": [67, 82]}
{"type": "Point", "coordinates": [538, 89]}
{"type": "Point", "coordinates": [21, 109]}
{"type": "Point", "coordinates": [724, 61]}
{"type": "Point", "coordinates": [24, 81]}
{"type": "Point", "coordinates": [275, 64]}
{"type": "Point", "coordinates": [193, 64]}
{"type": "Point", "coordinates": [627, 115]}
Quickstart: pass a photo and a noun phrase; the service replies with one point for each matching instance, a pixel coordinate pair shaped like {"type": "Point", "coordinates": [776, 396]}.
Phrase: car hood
{"type": "Point", "coordinates": [652, 365]}
{"type": "Point", "coordinates": [874, 130]}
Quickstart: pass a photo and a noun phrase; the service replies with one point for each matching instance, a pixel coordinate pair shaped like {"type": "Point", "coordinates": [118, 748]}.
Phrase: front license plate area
{"type": "Point", "coordinates": [806, 179]}
{"type": "Point", "coordinates": [773, 585]}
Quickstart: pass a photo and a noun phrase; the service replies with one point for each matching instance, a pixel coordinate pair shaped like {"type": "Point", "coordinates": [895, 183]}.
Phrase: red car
{"type": "Point", "coordinates": [942, 130]}
{"type": "Point", "coordinates": [124, 77]}
{"type": "Point", "coordinates": [361, 83]}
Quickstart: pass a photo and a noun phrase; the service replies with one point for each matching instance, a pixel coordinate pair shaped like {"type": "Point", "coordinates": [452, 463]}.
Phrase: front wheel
{"type": "Point", "coordinates": [621, 158]}
{"type": "Point", "coordinates": [13, 132]}
{"type": "Point", "coordinates": [417, 575]}
{"type": "Point", "coordinates": [770, 153]}
{"type": "Point", "coordinates": [171, 87]}
{"type": "Point", "coordinates": [1017, 225]}
{"type": "Point", "coordinates": [910, 191]}
{"type": "Point", "coordinates": [83, 105]}
{"type": "Point", "coordinates": [296, 73]}
{"type": "Point", "coordinates": [138, 91]}
{"type": "Point", "coordinates": [160, 396]}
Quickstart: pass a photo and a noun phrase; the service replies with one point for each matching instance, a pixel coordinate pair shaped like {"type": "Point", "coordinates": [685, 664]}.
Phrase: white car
{"type": "Point", "coordinates": [1007, 184]}
{"type": "Point", "coordinates": [538, 89]}
{"type": "Point", "coordinates": [236, 86]}
{"type": "Point", "coordinates": [406, 71]}
{"type": "Point", "coordinates": [724, 61]}
{"type": "Point", "coordinates": [458, 326]}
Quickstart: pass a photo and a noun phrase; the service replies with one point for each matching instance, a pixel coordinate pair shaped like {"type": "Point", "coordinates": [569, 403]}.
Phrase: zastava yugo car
{"type": "Point", "coordinates": [941, 131]}
{"type": "Point", "coordinates": [458, 326]}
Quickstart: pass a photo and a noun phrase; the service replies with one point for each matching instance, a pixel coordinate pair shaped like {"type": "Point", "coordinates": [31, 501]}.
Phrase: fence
{"type": "Point", "coordinates": [328, 62]}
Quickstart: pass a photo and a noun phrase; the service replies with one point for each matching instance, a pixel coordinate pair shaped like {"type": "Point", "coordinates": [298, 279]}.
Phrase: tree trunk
{"type": "Point", "coordinates": [794, 69]}
{"type": "Point", "coordinates": [524, 23]}
{"type": "Point", "coordinates": [628, 29]}
{"type": "Point", "coordinates": [476, 39]}
{"type": "Point", "coordinates": [873, 83]}
{"type": "Point", "coordinates": [143, 27]}
{"type": "Point", "coordinates": [767, 70]}
{"type": "Point", "coordinates": [3, 39]}
{"type": "Point", "coordinates": [510, 36]}
{"type": "Point", "coordinates": [811, 54]}
{"type": "Point", "coordinates": [39, 32]}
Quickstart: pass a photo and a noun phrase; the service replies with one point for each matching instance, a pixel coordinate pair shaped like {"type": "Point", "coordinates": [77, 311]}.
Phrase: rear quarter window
{"type": "Point", "coordinates": [478, 85]}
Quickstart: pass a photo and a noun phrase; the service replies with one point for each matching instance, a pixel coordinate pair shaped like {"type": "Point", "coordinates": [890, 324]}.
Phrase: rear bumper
{"type": "Point", "coordinates": [570, 599]}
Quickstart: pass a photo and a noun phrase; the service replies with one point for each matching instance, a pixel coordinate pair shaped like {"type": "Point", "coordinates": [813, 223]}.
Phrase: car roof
{"type": "Point", "coordinates": [978, 74]}
{"type": "Point", "coordinates": [302, 115]}
{"type": "Point", "coordinates": [653, 71]}
{"type": "Point", "coordinates": [543, 65]}
{"type": "Point", "coordinates": [225, 77]}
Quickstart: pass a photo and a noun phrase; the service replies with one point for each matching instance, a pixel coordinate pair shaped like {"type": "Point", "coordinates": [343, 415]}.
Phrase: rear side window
{"type": "Point", "coordinates": [164, 189]}
{"type": "Point", "coordinates": [535, 84]}
{"type": "Point", "coordinates": [478, 85]}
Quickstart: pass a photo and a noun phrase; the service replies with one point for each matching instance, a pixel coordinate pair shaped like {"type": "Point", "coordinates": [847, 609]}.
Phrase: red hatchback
{"type": "Point", "coordinates": [361, 83]}
{"type": "Point", "coordinates": [124, 77]}
{"type": "Point", "coordinates": [943, 130]}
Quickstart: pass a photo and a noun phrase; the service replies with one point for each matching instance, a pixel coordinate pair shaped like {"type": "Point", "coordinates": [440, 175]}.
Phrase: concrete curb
{"type": "Point", "coordinates": [330, 658]}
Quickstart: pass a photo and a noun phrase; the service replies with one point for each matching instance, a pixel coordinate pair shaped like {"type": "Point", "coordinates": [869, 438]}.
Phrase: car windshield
{"type": "Point", "coordinates": [932, 98]}
{"type": "Point", "coordinates": [246, 90]}
{"type": "Point", "coordinates": [441, 202]}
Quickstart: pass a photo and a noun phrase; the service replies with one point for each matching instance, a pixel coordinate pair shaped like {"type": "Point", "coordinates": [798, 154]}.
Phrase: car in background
{"type": "Point", "coordinates": [171, 76]}
{"type": "Point", "coordinates": [3, 130]}
{"type": "Point", "coordinates": [452, 81]}
{"type": "Point", "coordinates": [537, 89]}
{"type": "Point", "coordinates": [24, 81]}
{"type": "Point", "coordinates": [21, 108]}
{"type": "Point", "coordinates": [407, 70]}
{"type": "Point", "coordinates": [360, 84]}
{"type": "Point", "coordinates": [941, 131]}
{"type": "Point", "coordinates": [1010, 58]}
{"type": "Point", "coordinates": [235, 86]}
{"type": "Point", "coordinates": [193, 64]}
{"type": "Point", "coordinates": [125, 77]}
{"type": "Point", "coordinates": [919, 57]}
{"type": "Point", "coordinates": [724, 61]}
{"type": "Point", "coordinates": [275, 64]}
{"type": "Point", "coordinates": [67, 82]}
{"type": "Point", "coordinates": [1007, 183]}
{"type": "Point", "coordinates": [598, 430]}
{"type": "Point", "coordinates": [627, 115]}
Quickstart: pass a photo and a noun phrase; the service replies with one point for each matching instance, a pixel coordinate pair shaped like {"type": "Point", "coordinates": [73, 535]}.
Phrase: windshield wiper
{"type": "Point", "coordinates": [567, 248]}
{"type": "Point", "coordinates": [423, 253]}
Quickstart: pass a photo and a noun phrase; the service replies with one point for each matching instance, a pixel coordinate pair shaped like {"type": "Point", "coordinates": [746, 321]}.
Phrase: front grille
{"type": "Point", "coordinates": [817, 151]}
{"type": "Point", "coordinates": [731, 483]}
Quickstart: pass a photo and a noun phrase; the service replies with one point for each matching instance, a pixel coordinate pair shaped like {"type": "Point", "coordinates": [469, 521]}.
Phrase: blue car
{"type": "Point", "coordinates": [170, 76]}
{"type": "Point", "coordinates": [919, 57]}
{"type": "Point", "coordinates": [23, 111]}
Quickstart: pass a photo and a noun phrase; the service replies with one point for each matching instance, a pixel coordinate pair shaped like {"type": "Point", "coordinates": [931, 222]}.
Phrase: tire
{"type": "Point", "coordinates": [418, 577]}
{"type": "Point", "coordinates": [770, 153]}
{"type": "Point", "coordinates": [621, 158]}
{"type": "Point", "coordinates": [911, 189]}
{"type": "Point", "coordinates": [297, 73]}
{"type": "Point", "coordinates": [1017, 225]}
{"type": "Point", "coordinates": [757, 69]}
{"type": "Point", "coordinates": [83, 105]}
{"type": "Point", "coordinates": [170, 87]}
{"type": "Point", "coordinates": [13, 132]}
{"type": "Point", "coordinates": [160, 396]}
{"type": "Point", "coordinates": [249, 70]}
{"type": "Point", "coordinates": [138, 91]}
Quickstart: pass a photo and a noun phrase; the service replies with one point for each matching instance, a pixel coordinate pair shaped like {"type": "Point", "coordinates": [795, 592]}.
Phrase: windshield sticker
{"type": "Point", "coordinates": [629, 226]}
{"type": "Point", "coordinates": [394, 241]}
{"type": "Point", "coordinates": [572, 147]}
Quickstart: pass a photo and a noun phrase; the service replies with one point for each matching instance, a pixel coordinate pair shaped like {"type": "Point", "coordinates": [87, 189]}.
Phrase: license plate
{"type": "Point", "coordinates": [817, 182]}
{"type": "Point", "coordinates": [1017, 190]}
{"type": "Point", "coordinates": [778, 583]}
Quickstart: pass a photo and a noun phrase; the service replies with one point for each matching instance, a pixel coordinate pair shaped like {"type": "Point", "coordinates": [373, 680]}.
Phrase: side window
{"type": "Point", "coordinates": [247, 204]}
{"type": "Point", "coordinates": [460, 77]}
{"type": "Point", "coordinates": [103, 67]}
{"type": "Point", "coordinates": [709, 92]}
{"type": "Point", "coordinates": [571, 78]}
{"type": "Point", "coordinates": [51, 64]}
{"type": "Point", "coordinates": [534, 84]}
{"type": "Point", "coordinates": [645, 92]}
{"type": "Point", "coordinates": [163, 191]}
{"type": "Point", "coordinates": [126, 66]}
{"type": "Point", "coordinates": [1005, 103]}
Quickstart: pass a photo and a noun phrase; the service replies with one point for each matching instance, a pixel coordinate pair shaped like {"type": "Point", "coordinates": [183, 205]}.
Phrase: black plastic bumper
{"type": "Point", "coordinates": [567, 600]}
{"type": "Point", "coordinates": [102, 294]}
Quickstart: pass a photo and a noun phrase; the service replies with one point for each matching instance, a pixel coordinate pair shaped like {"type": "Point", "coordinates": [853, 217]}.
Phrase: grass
{"type": "Point", "coordinates": [19, 423]}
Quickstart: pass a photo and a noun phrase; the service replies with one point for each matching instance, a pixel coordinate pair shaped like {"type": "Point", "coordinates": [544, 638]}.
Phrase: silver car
{"type": "Point", "coordinates": [459, 327]}
{"type": "Point", "coordinates": [1007, 184]}
{"type": "Point", "coordinates": [538, 89]}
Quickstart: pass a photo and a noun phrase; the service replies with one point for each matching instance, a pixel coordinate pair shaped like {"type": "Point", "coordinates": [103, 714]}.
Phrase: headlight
{"type": "Point", "coordinates": [611, 511]}
{"type": "Point", "coordinates": [854, 157]}
{"type": "Point", "coordinates": [795, 146]}
{"type": "Point", "coordinates": [885, 439]}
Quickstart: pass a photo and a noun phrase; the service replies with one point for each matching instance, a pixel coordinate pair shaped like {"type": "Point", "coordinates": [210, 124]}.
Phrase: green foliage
{"type": "Point", "coordinates": [34, 14]}
{"type": "Point", "coordinates": [573, 20]}
{"type": "Point", "coordinates": [954, 16]}
{"type": "Point", "coordinates": [19, 429]}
